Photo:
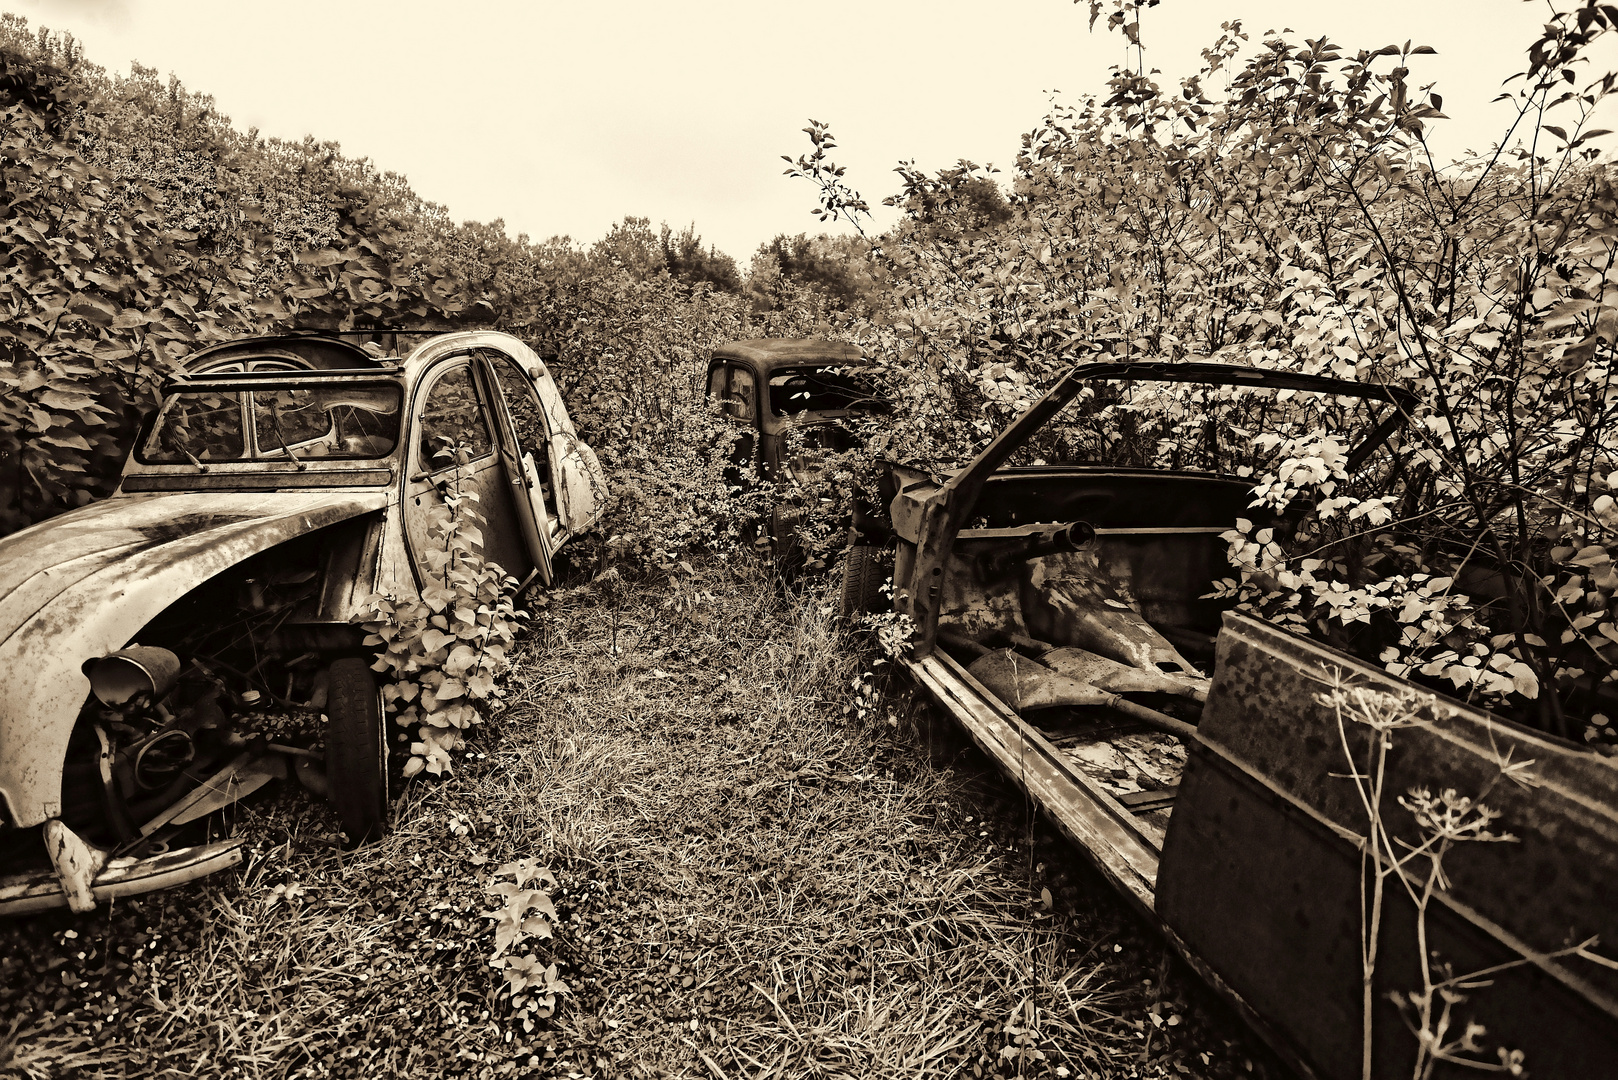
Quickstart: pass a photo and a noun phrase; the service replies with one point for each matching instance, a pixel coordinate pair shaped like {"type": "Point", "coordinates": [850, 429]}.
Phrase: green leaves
{"type": "Point", "coordinates": [1295, 223]}
{"type": "Point", "coordinates": [445, 648]}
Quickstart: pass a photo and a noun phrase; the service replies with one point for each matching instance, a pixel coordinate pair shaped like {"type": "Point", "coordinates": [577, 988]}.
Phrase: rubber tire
{"type": "Point", "coordinates": [863, 577]}
{"type": "Point", "coordinates": [357, 751]}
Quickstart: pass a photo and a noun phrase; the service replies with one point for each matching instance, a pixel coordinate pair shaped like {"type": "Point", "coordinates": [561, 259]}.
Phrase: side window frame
{"type": "Point", "coordinates": [461, 363]}
{"type": "Point", "coordinates": [501, 367]}
{"type": "Point", "coordinates": [744, 411]}
{"type": "Point", "coordinates": [719, 385]}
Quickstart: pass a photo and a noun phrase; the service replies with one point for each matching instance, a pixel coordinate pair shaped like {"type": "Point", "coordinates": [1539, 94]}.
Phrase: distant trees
{"type": "Point", "coordinates": [961, 200]}
{"type": "Point", "coordinates": [841, 269]}
{"type": "Point", "coordinates": [687, 261]}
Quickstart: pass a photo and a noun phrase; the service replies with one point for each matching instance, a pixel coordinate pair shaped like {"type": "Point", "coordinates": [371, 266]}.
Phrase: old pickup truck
{"type": "Point", "coordinates": [1266, 800]}
{"type": "Point", "coordinates": [177, 645]}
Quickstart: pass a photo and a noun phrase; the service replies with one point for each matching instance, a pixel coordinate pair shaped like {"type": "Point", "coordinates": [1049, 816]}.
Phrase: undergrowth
{"type": "Point", "coordinates": [441, 650]}
{"type": "Point", "coordinates": [749, 878]}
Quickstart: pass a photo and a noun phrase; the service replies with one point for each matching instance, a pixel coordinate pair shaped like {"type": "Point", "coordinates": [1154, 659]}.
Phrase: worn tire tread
{"type": "Point", "coordinates": [356, 751]}
{"type": "Point", "coordinates": [863, 575]}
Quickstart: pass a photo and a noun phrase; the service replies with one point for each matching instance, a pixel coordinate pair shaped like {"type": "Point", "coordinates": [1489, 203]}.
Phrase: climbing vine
{"type": "Point", "coordinates": [441, 650]}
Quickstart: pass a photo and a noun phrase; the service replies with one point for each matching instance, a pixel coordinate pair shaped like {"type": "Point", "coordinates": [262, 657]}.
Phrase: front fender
{"type": "Point", "coordinates": [81, 585]}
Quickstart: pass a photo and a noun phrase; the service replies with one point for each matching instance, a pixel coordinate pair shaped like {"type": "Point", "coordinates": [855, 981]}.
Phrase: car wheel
{"type": "Point", "coordinates": [357, 751]}
{"type": "Point", "coordinates": [863, 576]}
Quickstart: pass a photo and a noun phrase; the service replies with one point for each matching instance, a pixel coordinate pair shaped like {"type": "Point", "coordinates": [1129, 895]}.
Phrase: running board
{"type": "Point", "coordinates": [1099, 824]}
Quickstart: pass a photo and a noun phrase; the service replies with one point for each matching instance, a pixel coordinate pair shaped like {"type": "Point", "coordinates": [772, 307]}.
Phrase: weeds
{"type": "Point", "coordinates": [526, 915]}
{"type": "Point", "coordinates": [744, 875]}
{"type": "Point", "coordinates": [443, 649]}
{"type": "Point", "coordinates": [1442, 820]}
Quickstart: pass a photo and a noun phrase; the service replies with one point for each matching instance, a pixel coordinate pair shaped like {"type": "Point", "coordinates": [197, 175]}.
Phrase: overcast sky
{"type": "Point", "coordinates": [563, 118]}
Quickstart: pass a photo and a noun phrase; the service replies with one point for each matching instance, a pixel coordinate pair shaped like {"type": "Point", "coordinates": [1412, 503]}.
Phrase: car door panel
{"type": "Point", "coordinates": [453, 406]}
{"type": "Point", "coordinates": [518, 423]}
{"type": "Point", "coordinates": [581, 485]}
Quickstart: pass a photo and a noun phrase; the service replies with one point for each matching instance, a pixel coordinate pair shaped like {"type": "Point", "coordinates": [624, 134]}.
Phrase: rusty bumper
{"type": "Point", "coordinates": [42, 890]}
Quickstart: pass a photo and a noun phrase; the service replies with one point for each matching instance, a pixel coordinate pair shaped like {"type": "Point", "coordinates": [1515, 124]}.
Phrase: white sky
{"type": "Point", "coordinates": [561, 118]}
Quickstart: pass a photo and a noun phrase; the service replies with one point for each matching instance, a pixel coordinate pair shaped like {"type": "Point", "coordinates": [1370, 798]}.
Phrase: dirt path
{"type": "Point", "coordinates": [762, 872]}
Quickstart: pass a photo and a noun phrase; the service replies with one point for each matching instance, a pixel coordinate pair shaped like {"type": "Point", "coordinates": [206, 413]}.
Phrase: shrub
{"type": "Point", "coordinates": [443, 649]}
{"type": "Point", "coordinates": [1297, 221]}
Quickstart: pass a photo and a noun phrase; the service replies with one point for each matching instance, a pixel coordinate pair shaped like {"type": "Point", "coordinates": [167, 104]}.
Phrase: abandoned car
{"type": "Point", "coordinates": [790, 400]}
{"type": "Point", "coordinates": [175, 646]}
{"type": "Point", "coordinates": [1201, 759]}
{"type": "Point", "coordinates": [770, 386]}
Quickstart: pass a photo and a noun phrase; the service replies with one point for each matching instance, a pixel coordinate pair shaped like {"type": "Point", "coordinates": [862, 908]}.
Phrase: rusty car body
{"type": "Point", "coordinates": [147, 640]}
{"type": "Point", "coordinates": [791, 401]}
{"type": "Point", "coordinates": [1194, 756]}
{"type": "Point", "coordinates": [772, 386]}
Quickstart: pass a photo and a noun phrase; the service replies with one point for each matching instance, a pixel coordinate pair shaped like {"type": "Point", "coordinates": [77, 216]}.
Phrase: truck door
{"type": "Point", "coordinates": [737, 390]}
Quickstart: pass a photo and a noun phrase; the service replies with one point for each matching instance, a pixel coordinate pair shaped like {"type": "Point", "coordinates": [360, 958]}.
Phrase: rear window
{"type": "Point", "coordinates": [339, 421]}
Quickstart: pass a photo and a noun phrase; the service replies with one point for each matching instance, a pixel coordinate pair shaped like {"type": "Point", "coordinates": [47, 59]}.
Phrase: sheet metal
{"type": "Point", "coordinates": [1260, 873]}
{"type": "Point", "coordinates": [23, 894]}
{"type": "Point", "coordinates": [1081, 808]}
{"type": "Point", "coordinates": [79, 586]}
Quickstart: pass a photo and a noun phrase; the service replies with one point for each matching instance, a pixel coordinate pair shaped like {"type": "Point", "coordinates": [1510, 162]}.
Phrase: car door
{"type": "Point", "coordinates": [581, 486]}
{"type": "Point", "coordinates": [459, 445]}
{"type": "Point", "coordinates": [737, 390]}
{"type": "Point", "coordinates": [523, 439]}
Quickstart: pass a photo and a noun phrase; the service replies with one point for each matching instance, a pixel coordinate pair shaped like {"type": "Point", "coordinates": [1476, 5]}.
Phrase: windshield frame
{"type": "Point", "coordinates": [842, 372]}
{"type": "Point", "coordinates": [244, 385]}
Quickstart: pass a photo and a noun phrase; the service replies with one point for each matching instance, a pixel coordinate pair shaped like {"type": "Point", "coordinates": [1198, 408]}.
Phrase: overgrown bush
{"type": "Point", "coordinates": [441, 650]}
{"type": "Point", "coordinates": [1295, 219]}
{"type": "Point", "coordinates": [141, 225]}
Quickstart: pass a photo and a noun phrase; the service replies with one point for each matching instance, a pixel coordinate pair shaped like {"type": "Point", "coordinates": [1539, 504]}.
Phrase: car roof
{"type": "Point", "coordinates": [325, 359]}
{"type": "Point", "coordinates": [313, 350]}
{"type": "Point", "coordinates": [767, 354]}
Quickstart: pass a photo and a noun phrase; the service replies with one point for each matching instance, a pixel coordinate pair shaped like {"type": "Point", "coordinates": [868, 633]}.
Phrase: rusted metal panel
{"type": "Point", "coordinates": [78, 586]}
{"type": "Point", "coordinates": [1261, 867]}
{"type": "Point", "coordinates": [766, 354]}
{"type": "Point", "coordinates": [1089, 816]}
{"type": "Point", "coordinates": [581, 485]}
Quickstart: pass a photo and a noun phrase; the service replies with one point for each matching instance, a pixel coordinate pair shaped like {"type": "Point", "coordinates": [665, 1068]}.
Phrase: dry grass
{"type": "Point", "coordinates": [754, 882]}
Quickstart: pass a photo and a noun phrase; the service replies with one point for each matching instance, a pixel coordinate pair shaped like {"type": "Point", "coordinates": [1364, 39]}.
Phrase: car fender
{"type": "Point", "coordinates": [81, 585]}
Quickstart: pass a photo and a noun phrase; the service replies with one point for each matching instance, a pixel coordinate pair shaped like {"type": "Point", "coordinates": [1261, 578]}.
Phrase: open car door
{"type": "Point", "coordinates": [519, 434]}
{"type": "Point", "coordinates": [463, 441]}
{"type": "Point", "coordinates": [576, 495]}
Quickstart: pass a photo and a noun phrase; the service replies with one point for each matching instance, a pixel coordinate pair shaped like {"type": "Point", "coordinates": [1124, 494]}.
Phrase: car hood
{"type": "Point", "coordinates": [81, 585]}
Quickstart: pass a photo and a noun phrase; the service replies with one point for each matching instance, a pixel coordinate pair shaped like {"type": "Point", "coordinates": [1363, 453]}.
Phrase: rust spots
{"type": "Point", "coordinates": [186, 525]}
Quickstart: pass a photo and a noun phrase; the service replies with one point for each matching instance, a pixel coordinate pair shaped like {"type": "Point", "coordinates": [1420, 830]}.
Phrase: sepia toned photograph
{"type": "Point", "coordinates": [1063, 540]}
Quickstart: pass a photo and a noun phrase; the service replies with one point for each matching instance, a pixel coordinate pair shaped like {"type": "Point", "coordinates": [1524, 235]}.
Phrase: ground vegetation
{"type": "Point", "coordinates": [705, 833]}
